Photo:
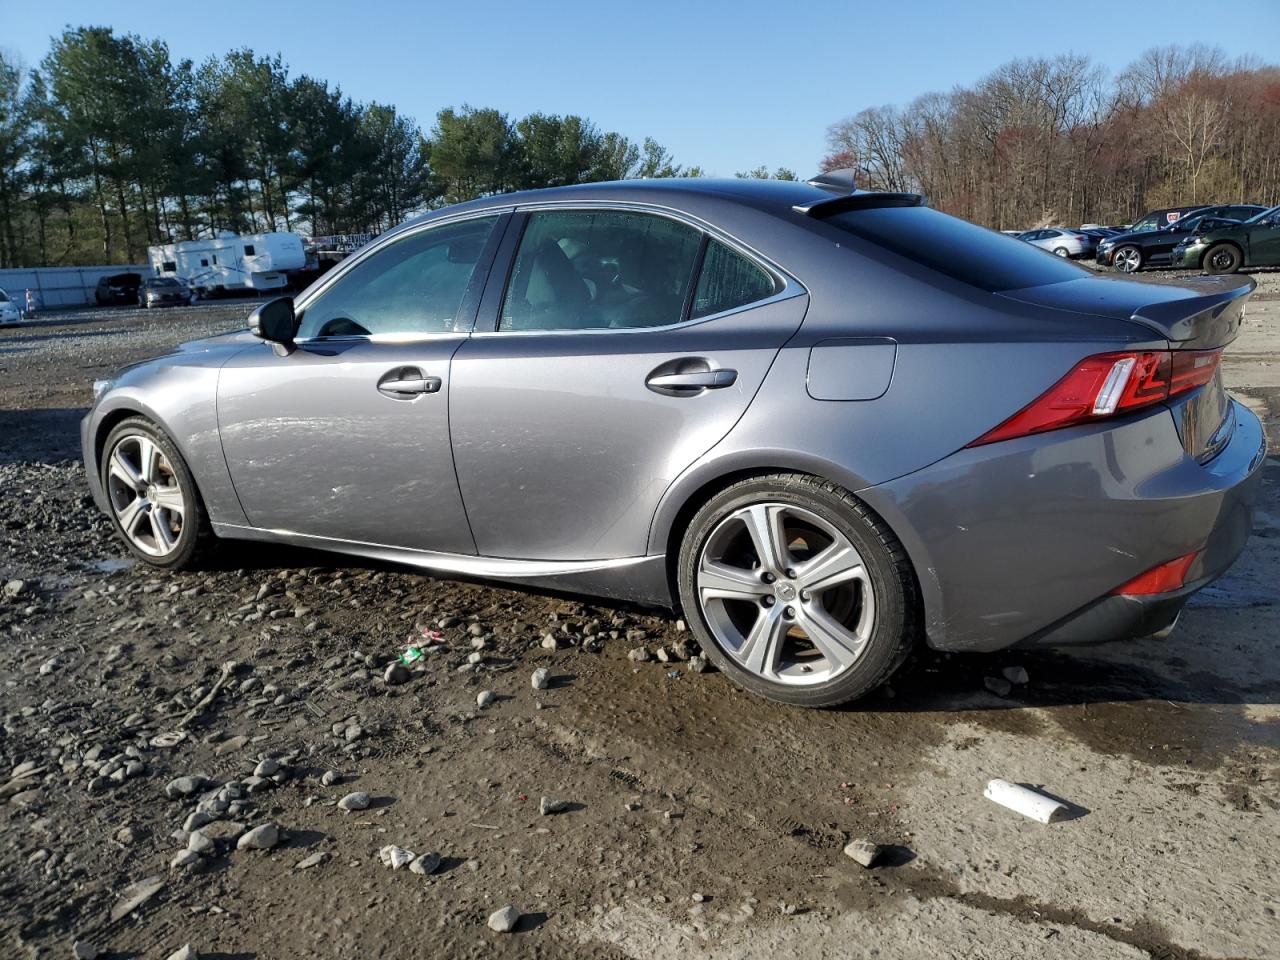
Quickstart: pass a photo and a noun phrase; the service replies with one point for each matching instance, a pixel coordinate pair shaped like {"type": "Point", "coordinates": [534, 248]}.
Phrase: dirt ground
{"type": "Point", "coordinates": [700, 821]}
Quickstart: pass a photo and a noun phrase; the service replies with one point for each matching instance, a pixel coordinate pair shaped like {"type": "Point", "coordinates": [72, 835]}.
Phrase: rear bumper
{"type": "Point", "coordinates": [1022, 542]}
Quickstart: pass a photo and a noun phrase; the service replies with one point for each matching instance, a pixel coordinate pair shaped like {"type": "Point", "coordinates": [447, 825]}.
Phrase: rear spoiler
{"type": "Point", "coordinates": [862, 200]}
{"type": "Point", "coordinates": [1212, 321]}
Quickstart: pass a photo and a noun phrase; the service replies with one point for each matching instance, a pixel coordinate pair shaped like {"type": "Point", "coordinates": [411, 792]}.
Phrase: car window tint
{"type": "Point", "coordinates": [957, 248]}
{"type": "Point", "coordinates": [586, 270]}
{"type": "Point", "coordinates": [412, 286]}
{"type": "Point", "coordinates": [729, 280]}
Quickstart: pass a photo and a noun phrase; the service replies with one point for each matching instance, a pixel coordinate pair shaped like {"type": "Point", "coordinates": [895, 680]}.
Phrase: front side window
{"type": "Point", "coordinates": [728, 280]}
{"type": "Point", "coordinates": [413, 286]}
{"type": "Point", "coordinates": [593, 270]}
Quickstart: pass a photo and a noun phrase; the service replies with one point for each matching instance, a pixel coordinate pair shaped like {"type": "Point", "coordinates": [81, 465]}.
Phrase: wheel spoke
{"type": "Point", "coordinates": [148, 459]}
{"type": "Point", "coordinates": [130, 513]}
{"type": "Point", "coordinates": [730, 583]}
{"type": "Point", "coordinates": [759, 651]}
{"type": "Point", "coordinates": [837, 564]}
{"type": "Point", "coordinates": [123, 470]}
{"type": "Point", "coordinates": [169, 498]}
{"type": "Point", "coordinates": [832, 640]}
{"type": "Point", "coordinates": [160, 529]}
{"type": "Point", "coordinates": [764, 524]}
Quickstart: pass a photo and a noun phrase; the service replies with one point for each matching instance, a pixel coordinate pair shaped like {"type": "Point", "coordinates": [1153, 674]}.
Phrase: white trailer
{"type": "Point", "coordinates": [255, 262]}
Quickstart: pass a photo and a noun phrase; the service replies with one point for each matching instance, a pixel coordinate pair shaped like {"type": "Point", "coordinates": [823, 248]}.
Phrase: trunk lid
{"type": "Point", "coordinates": [1203, 313]}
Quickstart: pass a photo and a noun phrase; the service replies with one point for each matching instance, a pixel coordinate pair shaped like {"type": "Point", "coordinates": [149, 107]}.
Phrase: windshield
{"type": "Point", "coordinates": [162, 282]}
{"type": "Point", "coordinates": [957, 248]}
{"type": "Point", "coordinates": [1265, 214]}
{"type": "Point", "coordinates": [4, 297]}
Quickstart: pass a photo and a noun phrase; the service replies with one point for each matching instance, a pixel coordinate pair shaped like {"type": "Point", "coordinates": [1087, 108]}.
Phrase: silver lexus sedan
{"type": "Point", "coordinates": [825, 425]}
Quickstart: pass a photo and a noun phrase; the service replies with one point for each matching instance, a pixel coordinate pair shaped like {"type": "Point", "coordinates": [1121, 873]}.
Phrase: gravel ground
{"type": "Point", "coordinates": [229, 758]}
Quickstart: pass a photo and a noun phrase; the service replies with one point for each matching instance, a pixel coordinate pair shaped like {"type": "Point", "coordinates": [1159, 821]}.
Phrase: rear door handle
{"type": "Point", "coordinates": [701, 379]}
{"type": "Point", "coordinates": [405, 382]}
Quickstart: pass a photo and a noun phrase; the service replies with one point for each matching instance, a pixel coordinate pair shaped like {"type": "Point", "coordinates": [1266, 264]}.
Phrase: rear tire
{"type": "Point", "coordinates": [826, 617]}
{"type": "Point", "coordinates": [154, 504]}
{"type": "Point", "coordinates": [1222, 258]}
{"type": "Point", "coordinates": [1061, 252]}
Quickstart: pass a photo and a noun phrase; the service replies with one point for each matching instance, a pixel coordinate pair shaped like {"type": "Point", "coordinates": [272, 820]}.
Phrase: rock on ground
{"type": "Point", "coordinates": [504, 920]}
{"type": "Point", "coordinates": [259, 838]}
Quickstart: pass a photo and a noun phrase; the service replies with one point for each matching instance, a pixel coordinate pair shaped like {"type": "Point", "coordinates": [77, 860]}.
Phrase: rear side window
{"type": "Point", "coordinates": [728, 280]}
{"type": "Point", "coordinates": [593, 270]}
{"type": "Point", "coordinates": [956, 248]}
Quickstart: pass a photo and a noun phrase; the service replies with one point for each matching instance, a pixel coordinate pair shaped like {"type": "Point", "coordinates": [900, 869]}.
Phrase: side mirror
{"type": "Point", "coordinates": [274, 321]}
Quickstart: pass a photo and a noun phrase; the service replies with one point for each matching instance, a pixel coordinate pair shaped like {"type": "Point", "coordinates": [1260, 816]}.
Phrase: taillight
{"type": "Point", "coordinates": [1107, 384]}
{"type": "Point", "coordinates": [1162, 579]}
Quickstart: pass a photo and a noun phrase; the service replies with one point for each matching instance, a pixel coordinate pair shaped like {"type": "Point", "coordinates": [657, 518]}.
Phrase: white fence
{"type": "Point", "coordinates": [60, 286]}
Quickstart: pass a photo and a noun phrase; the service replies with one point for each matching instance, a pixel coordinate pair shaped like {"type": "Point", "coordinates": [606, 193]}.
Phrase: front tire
{"type": "Point", "coordinates": [154, 504]}
{"type": "Point", "coordinates": [796, 591]}
{"type": "Point", "coordinates": [1128, 259]}
{"type": "Point", "coordinates": [1222, 258]}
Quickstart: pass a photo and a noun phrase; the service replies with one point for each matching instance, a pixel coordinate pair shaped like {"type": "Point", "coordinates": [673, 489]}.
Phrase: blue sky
{"type": "Point", "coordinates": [727, 86]}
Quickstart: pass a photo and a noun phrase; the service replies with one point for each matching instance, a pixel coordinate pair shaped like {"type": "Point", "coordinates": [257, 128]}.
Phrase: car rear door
{"type": "Point", "coordinates": [347, 437]}
{"type": "Point", "coordinates": [620, 346]}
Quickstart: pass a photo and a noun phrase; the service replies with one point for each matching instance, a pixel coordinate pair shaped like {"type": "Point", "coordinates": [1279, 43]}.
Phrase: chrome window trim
{"type": "Point", "coordinates": [394, 235]}
{"type": "Point", "coordinates": [791, 287]}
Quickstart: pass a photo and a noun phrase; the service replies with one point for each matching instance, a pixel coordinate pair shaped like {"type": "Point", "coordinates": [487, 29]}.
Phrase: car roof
{"type": "Point", "coordinates": [679, 192]}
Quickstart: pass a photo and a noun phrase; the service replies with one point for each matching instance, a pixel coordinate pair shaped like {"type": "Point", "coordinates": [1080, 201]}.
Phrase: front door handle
{"type": "Point", "coordinates": [698, 380]}
{"type": "Point", "coordinates": [406, 382]}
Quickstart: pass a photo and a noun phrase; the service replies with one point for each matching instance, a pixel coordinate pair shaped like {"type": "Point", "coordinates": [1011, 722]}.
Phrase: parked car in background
{"type": "Point", "coordinates": [825, 426]}
{"type": "Point", "coordinates": [1159, 219]}
{"type": "Point", "coordinates": [163, 292]}
{"type": "Point", "coordinates": [9, 312]}
{"type": "Point", "coordinates": [1225, 249]}
{"type": "Point", "coordinates": [1130, 252]}
{"type": "Point", "coordinates": [1060, 241]}
{"type": "Point", "coordinates": [118, 288]}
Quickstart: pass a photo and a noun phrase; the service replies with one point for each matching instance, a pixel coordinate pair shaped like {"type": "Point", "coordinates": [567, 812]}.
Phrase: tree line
{"type": "Point", "coordinates": [1057, 141]}
{"type": "Point", "coordinates": [109, 145]}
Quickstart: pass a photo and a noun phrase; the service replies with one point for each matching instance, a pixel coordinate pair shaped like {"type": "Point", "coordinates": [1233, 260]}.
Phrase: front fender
{"type": "Point", "coordinates": [178, 394]}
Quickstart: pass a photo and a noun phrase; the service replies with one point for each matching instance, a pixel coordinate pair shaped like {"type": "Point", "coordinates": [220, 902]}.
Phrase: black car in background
{"type": "Point", "coordinates": [1136, 249]}
{"type": "Point", "coordinates": [118, 288]}
{"type": "Point", "coordinates": [163, 292]}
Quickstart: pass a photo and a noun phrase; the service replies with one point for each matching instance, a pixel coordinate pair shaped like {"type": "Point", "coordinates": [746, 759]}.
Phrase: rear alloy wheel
{"type": "Point", "coordinates": [796, 591]}
{"type": "Point", "coordinates": [1222, 258]}
{"type": "Point", "coordinates": [1128, 259]}
{"type": "Point", "coordinates": [152, 495]}
{"type": "Point", "coordinates": [1061, 252]}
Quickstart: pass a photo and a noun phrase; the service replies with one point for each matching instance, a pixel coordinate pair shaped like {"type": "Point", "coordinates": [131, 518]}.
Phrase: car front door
{"type": "Point", "coordinates": [347, 437]}
{"type": "Point", "coordinates": [622, 346]}
{"type": "Point", "coordinates": [1264, 242]}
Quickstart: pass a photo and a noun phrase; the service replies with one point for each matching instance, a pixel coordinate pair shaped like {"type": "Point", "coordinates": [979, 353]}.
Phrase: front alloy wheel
{"type": "Point", "coordinates": [1128, 259]}
{"type": "Point", "coordinates": [151, 494]}
{"type": "Point", "coordinates": [796, 591]}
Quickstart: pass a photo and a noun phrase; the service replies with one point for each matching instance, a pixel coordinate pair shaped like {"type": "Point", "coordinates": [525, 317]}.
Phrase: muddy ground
{"type": "Point", "coordinates": [700, 821]}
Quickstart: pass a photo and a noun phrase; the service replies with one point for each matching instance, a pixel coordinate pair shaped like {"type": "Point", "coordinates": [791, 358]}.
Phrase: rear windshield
{"type": "Point", "coordinates": [957, 248]}
{"type": "Point", "coordinates": [1263, 215]}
